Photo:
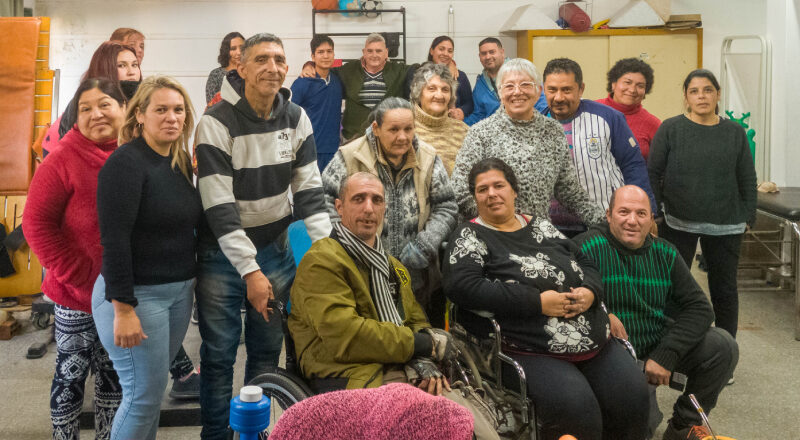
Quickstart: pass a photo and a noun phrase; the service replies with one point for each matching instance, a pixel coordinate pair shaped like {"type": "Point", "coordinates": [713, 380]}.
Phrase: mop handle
{"type": "Point", "coordinates": [702, 415]}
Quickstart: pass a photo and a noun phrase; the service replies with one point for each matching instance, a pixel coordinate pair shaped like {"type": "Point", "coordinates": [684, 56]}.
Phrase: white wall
{"type": "Point", "coordinates": [183, 37]}
{"type": "Point", "coordinates": [783, 30]}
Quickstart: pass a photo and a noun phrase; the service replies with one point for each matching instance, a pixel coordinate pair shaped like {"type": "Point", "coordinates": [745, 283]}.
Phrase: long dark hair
{"type": "Point", "coordinates": [437, 41]}
{"type": "Point", "coordinates": [488, 164]}
{"type": "Point", "coordinates": [224, 57]}
{"type": "Point", "coordinates": [104, 61]}
{"type": "Point", "coordinates": [702, 73]}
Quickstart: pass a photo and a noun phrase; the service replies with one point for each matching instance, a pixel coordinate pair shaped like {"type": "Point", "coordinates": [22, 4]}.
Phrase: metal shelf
{"type": "Point", "coordinates": [402, 11]}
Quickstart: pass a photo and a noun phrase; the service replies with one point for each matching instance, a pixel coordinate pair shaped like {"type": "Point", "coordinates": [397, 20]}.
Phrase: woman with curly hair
{"type": "Point", "coordinates": [628, 83]}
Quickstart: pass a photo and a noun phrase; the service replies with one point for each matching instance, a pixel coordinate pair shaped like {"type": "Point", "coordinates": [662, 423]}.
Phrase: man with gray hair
{"type": "Point", "coordinates": [366, 82]}
{"type": "Point", "coordinates": [254, 148]}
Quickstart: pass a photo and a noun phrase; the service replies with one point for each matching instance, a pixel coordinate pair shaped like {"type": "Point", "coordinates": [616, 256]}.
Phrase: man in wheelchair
{"type": "Point", "coordinates": [354, 321]}
{"type": "Point", "coordinates": [655, 302]}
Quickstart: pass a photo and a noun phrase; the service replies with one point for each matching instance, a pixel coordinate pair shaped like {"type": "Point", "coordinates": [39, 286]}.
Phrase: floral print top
{"type": "Point", "coordinates": [504, 273]}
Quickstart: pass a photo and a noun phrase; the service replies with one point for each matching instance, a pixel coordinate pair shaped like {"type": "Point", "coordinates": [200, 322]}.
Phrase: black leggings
{"type": "Point", "coordinates": [722, 259]}
{"type": "Point", "coordinates": [605, 397]}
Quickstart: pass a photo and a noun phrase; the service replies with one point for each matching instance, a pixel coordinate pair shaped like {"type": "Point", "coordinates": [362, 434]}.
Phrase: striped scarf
{"type": "Point", "coordinates": [379, 271]}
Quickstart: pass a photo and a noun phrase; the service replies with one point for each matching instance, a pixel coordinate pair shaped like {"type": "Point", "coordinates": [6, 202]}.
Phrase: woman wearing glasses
{"type": "Point", "coordinates": [532, 144]}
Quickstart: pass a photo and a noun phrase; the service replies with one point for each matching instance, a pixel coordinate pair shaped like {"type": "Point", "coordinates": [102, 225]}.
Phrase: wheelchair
{"type": "Point", "coordinates": [499, 377]}
{"type": "Point", "coordinates": [479, 365]}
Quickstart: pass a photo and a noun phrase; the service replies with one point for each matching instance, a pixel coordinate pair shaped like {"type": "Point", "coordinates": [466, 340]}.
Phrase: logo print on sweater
{"type": "Point", "coordinates": [593, 147]}
{"type": "Point", "coordinates": [284, 146]}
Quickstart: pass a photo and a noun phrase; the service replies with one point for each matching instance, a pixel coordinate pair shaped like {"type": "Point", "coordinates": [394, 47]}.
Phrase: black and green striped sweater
{"type": "Point", "coordinates": [641, 285]}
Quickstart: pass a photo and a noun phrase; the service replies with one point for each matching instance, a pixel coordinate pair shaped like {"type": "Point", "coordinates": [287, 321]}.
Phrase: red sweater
{"type": "Point", "coordinates": [642, 123]}
{"type": "Point", "coordinates": [60, 219]}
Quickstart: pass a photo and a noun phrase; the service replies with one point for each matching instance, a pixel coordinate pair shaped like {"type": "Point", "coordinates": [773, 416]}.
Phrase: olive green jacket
{"type": "Point", "coordinates": [354, 119]}
{"type": "Point", "coordinates": [334, 322]}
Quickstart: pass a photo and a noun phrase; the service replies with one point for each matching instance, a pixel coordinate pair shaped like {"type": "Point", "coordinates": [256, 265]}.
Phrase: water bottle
{"type": "Point", "coordinates": [249, 413]}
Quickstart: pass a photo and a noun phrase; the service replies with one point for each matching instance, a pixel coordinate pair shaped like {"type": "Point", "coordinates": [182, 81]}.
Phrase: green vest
{"type": "Point", "coordinates": [354, 119]}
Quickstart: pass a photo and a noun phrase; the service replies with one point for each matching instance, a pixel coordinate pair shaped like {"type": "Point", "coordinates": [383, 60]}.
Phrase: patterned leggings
{"type": "Point", "coordinates": [78, 352]}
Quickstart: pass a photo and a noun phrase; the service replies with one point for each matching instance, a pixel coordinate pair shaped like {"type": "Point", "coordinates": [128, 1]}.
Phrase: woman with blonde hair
{"type": "Point", "coordinates": [148, 212]}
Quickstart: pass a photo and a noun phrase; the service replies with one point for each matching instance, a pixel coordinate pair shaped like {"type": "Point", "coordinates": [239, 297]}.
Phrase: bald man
{"type": "Point", "coordinates": [642, 274]}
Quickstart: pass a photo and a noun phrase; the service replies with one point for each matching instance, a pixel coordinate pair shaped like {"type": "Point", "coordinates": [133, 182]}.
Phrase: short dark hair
{"type": "Point", "coordinates": [631, 65]}
{"type": "Point", "coordinates": [563, 65]}
{"type": "Point", "coordinates": [702, 73]}
{"type": "Point", "coordinates": [490, 40]}
{"type": "Point", "coordinates": [224, 57]}
{"type": "Point", "coordinates": [437, 41]}
{"type": "Point", "coordinates": [489, 164]}
{"type": "Point", "coordinates": [345, 184]}
{"type": "Point", "coordinates": [106, 85]}
{"type": "Point", "coordinates": [318, 40]}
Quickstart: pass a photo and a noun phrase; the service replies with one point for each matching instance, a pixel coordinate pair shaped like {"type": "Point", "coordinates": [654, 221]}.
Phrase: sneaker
{"type": "Point", "coordinates": [697, 432]}
{"type": "Point", "coordinates": [731, 381]}
{"type": "Point", "coordinates": [195, 318]}
{"type": "Point", "coordinates": [187, 388]}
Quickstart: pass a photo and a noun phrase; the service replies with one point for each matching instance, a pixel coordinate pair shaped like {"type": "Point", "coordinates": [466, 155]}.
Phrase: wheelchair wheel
{"type": "Point", "coordinates": [283, 389]}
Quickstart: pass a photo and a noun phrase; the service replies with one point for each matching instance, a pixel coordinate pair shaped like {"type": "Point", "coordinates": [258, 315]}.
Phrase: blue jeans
{"type": "Point", "coordinates": [220, 292]}
{"type": "Point", "coordinates": [164, 311]}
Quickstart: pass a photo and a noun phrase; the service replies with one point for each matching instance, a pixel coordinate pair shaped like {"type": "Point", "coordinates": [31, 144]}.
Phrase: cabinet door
{"type": "Point", "coordinates": [591, 52]}
{"type": "Point", "coordinates": [672, 57]}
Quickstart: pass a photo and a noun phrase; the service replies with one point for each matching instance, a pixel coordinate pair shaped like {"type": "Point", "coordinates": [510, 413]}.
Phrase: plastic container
{"type": "Point", "coordinates": [249, 413]}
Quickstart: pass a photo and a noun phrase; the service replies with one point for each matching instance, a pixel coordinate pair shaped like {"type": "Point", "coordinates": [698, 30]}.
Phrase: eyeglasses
{"type": "Point", "coordinates": [525, 87]}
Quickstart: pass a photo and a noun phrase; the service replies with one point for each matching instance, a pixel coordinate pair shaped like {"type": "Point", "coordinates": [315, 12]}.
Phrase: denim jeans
{"type": "Point", "coordinates": [220, 292]}
{"type": "Point", "coordinates": [164, 311]}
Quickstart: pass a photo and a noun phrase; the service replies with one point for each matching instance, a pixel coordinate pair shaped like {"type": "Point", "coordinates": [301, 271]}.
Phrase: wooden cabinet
{"type": "Point", "coordinates": [672, 54]}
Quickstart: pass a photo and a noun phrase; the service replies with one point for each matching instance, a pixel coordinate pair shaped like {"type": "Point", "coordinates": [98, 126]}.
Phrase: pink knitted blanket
{"type": "Point", "coordinates": [395, 411]}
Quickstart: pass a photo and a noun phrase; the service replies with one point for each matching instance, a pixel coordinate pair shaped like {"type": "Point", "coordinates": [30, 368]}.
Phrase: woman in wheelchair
{"type": "Point", "coordinates": [547, 298]}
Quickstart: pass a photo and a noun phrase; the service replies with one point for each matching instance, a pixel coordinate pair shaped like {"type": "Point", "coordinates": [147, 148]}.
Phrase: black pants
{"type": "Point", "coordinates": [605, 397]}
{"type": "Point", "coordinates": [708, 366]}
{"type": "Point", "coordinates": [722, 258]}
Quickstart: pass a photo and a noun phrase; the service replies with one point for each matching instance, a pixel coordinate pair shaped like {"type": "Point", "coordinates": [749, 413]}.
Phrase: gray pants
{"type": "Point", "coordinates": [708, 366]}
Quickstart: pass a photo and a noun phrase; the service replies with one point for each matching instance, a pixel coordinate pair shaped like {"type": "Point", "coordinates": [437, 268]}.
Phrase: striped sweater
{"type": "Point", "coordinates": [250, 169]}
{"type": "Point", "coordinates": [605, 153]}
{"type": "Point", "coordinates": [639, 285]}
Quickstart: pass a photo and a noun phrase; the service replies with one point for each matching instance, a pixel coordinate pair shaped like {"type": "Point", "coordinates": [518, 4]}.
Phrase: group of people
{"type": "Point", "coordinates": [557, 206]}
